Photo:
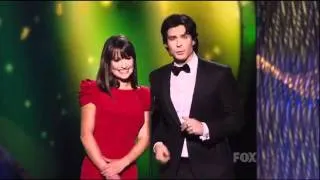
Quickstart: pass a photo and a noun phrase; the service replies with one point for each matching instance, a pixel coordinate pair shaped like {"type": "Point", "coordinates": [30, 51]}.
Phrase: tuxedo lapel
{"type": "Point", "coordinates": [199, 85]}
{"type": "Point", "coordinates": [167, 97]}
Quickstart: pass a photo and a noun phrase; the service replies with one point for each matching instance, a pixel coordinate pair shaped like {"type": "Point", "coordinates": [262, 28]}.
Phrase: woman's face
{"type": "Point", "coordinates": [122, 68]}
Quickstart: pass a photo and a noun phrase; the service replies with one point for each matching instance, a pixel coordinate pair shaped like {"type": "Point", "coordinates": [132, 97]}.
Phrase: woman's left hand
{"type": "Point", "coordinates": [114, 166]}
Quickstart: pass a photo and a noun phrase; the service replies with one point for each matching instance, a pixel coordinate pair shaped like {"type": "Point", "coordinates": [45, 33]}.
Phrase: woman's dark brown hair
{"type": "Point", "coordinates": [115, 48]}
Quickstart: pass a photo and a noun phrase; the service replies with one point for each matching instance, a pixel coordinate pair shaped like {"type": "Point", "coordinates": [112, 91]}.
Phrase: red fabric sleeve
{"type": "Point", "coordinates": [88, 92]}
{"type": "Point", "coordinates": [145, 97]}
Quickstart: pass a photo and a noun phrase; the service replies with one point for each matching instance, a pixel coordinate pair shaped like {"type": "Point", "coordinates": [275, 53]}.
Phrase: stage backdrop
{"type": "Point", "coordinates": [47, 48]}
{"type": "Point", "coordinates": [288, 90]}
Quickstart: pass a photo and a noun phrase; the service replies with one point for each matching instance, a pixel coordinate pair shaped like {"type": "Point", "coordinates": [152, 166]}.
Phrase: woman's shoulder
{"type": "Point", "coordinates": [145, 97]}
{"type": "Point", "coordinates": [88, 85]}
{"type": "Point", "coordinates": [144, 89]}
{"type": "Point", "coordinates": [88, 91]}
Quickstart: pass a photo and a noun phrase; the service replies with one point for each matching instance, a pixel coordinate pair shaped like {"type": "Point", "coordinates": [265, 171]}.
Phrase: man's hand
{"type": "Point", "coordinates": [192, 126]}
{"type": "Point", "coordinates": [162, 153]}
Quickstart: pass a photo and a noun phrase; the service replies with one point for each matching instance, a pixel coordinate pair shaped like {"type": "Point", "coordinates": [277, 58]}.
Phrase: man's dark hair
{"type": "Point", "coordinates": [175, 20]}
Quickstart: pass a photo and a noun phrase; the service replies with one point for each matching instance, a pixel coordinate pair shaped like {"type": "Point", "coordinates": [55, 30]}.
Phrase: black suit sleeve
{"type": "Point", "coordinates": [157, 127]}
{"type": "Point", "coordinates": [232, 121]}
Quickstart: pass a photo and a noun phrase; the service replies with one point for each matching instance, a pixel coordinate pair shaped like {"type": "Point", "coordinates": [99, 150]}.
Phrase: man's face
{"type": "Point", "coordinates": [179, 44]}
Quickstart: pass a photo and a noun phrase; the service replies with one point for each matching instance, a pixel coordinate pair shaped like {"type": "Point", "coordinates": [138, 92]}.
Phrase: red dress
{"type": "Point", "coordinates": [117, 123]}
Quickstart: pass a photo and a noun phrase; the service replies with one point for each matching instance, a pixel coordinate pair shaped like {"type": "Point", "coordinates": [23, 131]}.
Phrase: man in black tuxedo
{"type": "Point", "coordinates": [196, 106]}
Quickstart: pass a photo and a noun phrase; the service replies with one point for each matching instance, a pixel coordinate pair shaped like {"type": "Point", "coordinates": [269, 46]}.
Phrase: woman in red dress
{"type": "Point", "coordinates": [114, 115]}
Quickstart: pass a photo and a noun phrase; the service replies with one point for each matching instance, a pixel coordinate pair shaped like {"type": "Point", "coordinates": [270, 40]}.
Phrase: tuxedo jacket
{"type": "Point", "coordinates": [215, 101]}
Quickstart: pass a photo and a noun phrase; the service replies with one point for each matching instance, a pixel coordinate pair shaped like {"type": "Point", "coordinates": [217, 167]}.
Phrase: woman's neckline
{"type": "Point", "coordinates": [126, 90]}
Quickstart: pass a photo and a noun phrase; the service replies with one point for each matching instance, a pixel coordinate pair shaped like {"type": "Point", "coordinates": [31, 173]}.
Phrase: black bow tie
{"type": "Point", "coordinates": [176, 70]}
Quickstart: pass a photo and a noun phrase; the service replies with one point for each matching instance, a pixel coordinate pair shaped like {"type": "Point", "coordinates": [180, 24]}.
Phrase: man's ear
{"type": "Point", "coordinates": [193, 42]}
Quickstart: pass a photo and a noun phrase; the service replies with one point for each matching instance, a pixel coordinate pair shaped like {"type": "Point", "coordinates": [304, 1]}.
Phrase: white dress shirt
{"type": "Point", "coordinates": [181, 92]}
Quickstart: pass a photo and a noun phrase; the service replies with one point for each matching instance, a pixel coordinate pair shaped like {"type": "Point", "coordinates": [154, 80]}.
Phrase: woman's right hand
{"type": "Point", "coordinates": [103, 171]}
{"type": "Point", "coordinates": [116, 176]}
{"type": "Point", "coordinates": [106, 176]}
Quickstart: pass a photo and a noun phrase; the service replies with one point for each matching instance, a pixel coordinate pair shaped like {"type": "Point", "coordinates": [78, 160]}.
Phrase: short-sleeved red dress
{"type": "Point", "coordinates": [117, 123]}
